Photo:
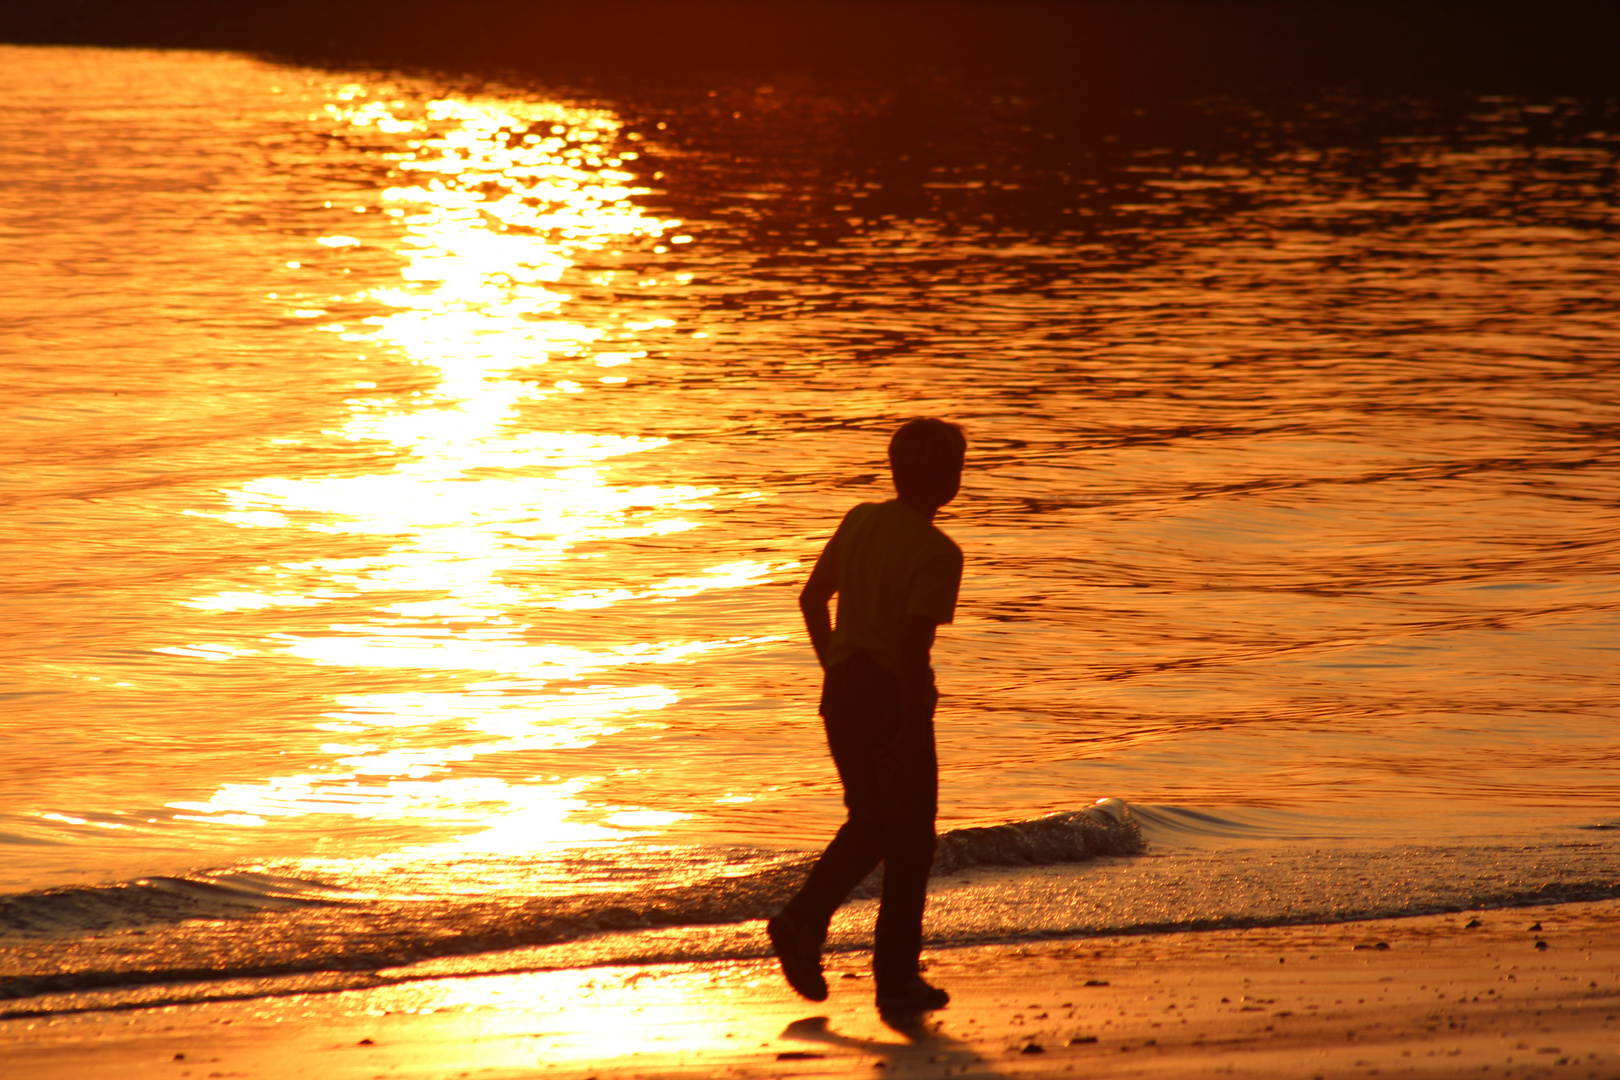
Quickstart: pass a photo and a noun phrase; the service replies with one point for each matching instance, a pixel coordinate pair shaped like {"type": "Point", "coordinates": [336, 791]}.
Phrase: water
{"type": "Point", "coordinates": [410, 485]}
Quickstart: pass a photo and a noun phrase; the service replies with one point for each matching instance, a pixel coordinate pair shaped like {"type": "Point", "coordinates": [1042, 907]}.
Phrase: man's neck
{"type": "Point", "coordinates": [922, 508]}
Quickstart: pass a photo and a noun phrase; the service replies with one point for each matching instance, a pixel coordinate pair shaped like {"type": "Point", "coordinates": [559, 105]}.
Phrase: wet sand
{"type": "Point", "coordinates": [1431, 996]}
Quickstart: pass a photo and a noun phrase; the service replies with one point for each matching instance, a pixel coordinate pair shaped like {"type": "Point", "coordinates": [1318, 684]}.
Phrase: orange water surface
{"type": "Point", "coordinates": [400, 470]}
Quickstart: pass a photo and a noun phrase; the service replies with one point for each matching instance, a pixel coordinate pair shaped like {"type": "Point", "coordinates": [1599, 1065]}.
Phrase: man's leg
{"type": "Point", "coordinates": [908, 854]}
{"type": "Point", "coordinates": [859, 709]}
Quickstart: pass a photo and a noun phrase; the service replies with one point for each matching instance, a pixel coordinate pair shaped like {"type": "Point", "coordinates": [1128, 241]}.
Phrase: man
{"type": "Point", "coordinates": [896, 577]}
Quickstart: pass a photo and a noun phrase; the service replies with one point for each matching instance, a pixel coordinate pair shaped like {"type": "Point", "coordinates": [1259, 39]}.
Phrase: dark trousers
{"type": "Point", "coordinates": [891, 816]}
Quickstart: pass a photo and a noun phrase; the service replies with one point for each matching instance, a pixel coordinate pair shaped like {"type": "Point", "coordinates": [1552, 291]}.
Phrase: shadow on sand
{"type": "Point", "coordinates": [925, 1044]}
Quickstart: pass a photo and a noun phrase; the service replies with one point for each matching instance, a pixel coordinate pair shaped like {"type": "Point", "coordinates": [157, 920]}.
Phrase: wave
{"type": "Point", "coordinates": [234, 925]}
{"type": "Point", "coordinates": [1181, 825]}
{"type": "Point", "coordinates": [1107, 827]}
{"type": "Point", "coordinates": [156, 900]}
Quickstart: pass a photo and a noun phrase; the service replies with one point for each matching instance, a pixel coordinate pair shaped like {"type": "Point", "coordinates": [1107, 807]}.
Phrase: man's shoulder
{"type": "Point", "coordinates": [873, 513]}
{"type": "Point", "coordinates": [895, 519]}
{"type": "Point", "coordinates": [859, 515]}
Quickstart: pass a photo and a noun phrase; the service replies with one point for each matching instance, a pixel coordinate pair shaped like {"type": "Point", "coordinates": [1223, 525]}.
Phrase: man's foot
{"type": "Point", "coordinates": [801, 962]}
{"type": "Point", "coordinates": [915, 996]}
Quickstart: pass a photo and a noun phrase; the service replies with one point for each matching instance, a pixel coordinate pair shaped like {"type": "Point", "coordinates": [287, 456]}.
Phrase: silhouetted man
{"type": "Point", "coordinates": [896, 577]}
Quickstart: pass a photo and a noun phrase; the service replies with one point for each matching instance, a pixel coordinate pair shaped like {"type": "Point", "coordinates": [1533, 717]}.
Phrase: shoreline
{"type": "Point", "coordinates": [1427, 995]}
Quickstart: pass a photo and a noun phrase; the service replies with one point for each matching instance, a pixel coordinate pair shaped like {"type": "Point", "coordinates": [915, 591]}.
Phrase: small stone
{"type": "Point", "coordinates": [1081, 1040]}
{"type": "Point", "coordinates": [1541, 945]}
{"type": "Point", "coordinates": [1096, 982]}
{"type": "Point", "coordinates": [1033, 1048]}
{"type": "Point", "coordinates": [1534, 927]}
{"type": "Point", "coordinates": [1471, 923]}
{"type": "Point", "coordinates": [366, 1042]}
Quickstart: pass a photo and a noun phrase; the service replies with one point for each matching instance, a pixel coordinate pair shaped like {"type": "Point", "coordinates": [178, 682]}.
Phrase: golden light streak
{"type": "Point", "coordinates": [496, 200]}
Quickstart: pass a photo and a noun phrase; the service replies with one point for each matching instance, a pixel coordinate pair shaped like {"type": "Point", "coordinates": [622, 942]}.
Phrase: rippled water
{"type": "Point", "coordinates": [412, 485]}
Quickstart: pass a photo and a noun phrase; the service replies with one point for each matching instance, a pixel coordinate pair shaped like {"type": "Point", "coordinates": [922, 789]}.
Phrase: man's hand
{"type": "Point", "coordinates": [818, 592]}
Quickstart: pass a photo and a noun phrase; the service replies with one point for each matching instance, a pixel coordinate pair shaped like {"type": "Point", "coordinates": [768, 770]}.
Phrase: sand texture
{"type": "Point", "coordinates": [1512, 993]}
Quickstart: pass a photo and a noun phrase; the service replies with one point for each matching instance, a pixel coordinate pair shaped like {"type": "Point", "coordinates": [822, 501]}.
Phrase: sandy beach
{"type": "Point", "coordinates": [1521, 992]}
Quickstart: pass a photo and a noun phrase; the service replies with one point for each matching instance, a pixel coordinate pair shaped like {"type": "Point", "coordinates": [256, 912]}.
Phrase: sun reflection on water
{"type": "Point", "coordinates": [496, 201]}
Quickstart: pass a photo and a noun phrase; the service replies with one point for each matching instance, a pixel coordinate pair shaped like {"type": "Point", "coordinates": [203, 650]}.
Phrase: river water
{"type": "Point", "coordinates": [408, 487]}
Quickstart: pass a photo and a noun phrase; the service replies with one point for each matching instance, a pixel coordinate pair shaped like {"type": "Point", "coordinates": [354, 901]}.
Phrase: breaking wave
{"type": "Point", "coordinates": [1106, 828]}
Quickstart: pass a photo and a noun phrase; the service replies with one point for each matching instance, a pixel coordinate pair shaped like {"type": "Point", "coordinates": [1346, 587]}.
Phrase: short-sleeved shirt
{"type": "Point", "coordinates": [888, 562]}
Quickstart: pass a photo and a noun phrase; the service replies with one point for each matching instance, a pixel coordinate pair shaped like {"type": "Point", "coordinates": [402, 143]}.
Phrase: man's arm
{"type": "Point", "coordinates": [818, 592]}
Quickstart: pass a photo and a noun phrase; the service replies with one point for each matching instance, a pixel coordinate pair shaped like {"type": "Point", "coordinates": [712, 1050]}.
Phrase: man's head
{"type": "Point", "coordinates": [926, 457]}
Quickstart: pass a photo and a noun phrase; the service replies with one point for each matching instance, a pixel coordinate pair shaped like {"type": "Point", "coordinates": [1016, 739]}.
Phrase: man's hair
{"type": "Point", "coordinates": [926, 457]}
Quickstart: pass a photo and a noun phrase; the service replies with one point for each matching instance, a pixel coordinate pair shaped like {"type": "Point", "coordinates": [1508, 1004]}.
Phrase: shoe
{"type": "Point", "coordinates": [801, 964]}
{"type": "Point", "coordinates": [915, 996]}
